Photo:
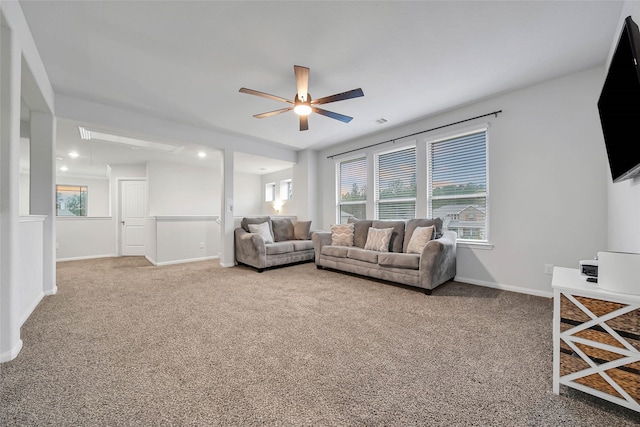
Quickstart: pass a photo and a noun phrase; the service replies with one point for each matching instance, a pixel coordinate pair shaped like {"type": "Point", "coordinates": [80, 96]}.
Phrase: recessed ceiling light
{"type": "Point", "coordinates": [73, 154]}
{"type": "Point", "coordinates": [59, 158]}
{"type": "Point", "coordinates": [64, 168]}
{"type": "Point", "coordinates": [132, 142]}
{"type": "Point", "coordinates": [202, 154]}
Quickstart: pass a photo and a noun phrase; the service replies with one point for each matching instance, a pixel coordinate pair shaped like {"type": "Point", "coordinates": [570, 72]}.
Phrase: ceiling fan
{"type": "Point", "coordinates": [302, 103]}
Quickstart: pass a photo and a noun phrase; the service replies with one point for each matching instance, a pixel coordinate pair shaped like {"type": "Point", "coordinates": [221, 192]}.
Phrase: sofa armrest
{"type": "Point", "coordinates": [320, 239]}
{"type": "Point", "coordinates": [438, 260]}
{"type": "Point", "coordinates": [250, 248]}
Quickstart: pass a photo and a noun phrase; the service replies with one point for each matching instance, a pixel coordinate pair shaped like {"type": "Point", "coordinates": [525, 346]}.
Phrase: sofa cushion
{"type": "Point", "coordinates": [263, 230]}
{"type": "Point", "coordinates": [255, 220]}
{"type": "Point", "coordinates": [302, 245]}
{"type": "Point", "coordinates": [336, 251]}
{"type": "Point", "coordinates": [342, 235]}
{"type": "Point", "coordinates": [363, 255]}
{"type": "Point", "coordinates": [397, 237]}
{"type": "Point", "coordinates": [419, 239]}
{"type": "Point", "coordinates": [396, 260]}
{"type": "Point", "coordinates": [378, 239]}
{"type": "Point", "coordinates": [422, 222]}
{"type": "Point", "coordinates": [282, 229]}
{"type": "Point", "coordinates": [360, 230]}
{"type": "Point", "coordinates": [278, 248]}
{"type": "Point", "coordinates": [301, 230]}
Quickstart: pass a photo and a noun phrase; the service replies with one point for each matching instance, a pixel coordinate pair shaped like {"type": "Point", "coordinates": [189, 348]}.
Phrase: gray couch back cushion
{"type": "Point", "coordinates": [397, 237]}
{"type": "Point", "coordinates": [282, 229]}
{"type": "Point", "coordinates": [360, 231]}
{"type": "Point", "coordinates": [412, 224]}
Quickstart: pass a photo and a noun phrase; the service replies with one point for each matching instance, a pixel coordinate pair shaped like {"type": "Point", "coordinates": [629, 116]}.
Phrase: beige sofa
{"type": "Point", "coordinates": [291, 243]}
{"type": "Point", "coordinates": [435, 265]}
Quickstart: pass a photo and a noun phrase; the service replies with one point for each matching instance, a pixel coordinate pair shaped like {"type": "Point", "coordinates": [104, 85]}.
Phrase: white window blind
{"type": "Point", "coordinates": [352, 178]}
{"type": "Point", "coordinates": [457, 190]}
{"type": "Point", "coordinates": [396, 184]}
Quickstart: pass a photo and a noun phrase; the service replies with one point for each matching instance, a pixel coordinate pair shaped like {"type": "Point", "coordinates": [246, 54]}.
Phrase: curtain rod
{"type": "Point", "coordinates": [495, 113]}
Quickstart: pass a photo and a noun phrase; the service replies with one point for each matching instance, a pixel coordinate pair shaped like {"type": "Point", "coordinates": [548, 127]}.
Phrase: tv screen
{"type": "Point", "coordinates": [619, 105]}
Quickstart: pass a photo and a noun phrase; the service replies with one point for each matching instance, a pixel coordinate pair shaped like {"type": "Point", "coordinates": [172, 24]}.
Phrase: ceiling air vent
{"type": "Point", "coordinates": [381, 120]}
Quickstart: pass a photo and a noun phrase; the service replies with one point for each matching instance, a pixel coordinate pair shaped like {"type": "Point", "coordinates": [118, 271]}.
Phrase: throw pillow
{"type": "Point", "coordinates": [378, 239]}
{"type": "Point", "coordinates": [342, 235]}
{"type": "Point", "coordinates": [282, 229]}
{"type": "Point", "coordinates": [301, 230]}
{"type": "Point", "coordinates": [419, 239]}
{"type": "Point", "coordinates": [263, 230]}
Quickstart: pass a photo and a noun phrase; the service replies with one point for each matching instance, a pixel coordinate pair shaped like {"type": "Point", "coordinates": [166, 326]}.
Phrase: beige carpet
{"type": "Point", "coordinates": [124, 343]}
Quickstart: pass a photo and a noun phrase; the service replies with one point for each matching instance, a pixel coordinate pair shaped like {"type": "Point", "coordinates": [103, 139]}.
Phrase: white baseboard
{"type": "Point", "coordinates": [11, 354]}
{"type": "Point", "coordinates": [182, 261]}
{"type": "Point", "coordinates": [233, 264]}
{"type": "Point", "coordinates": [503, 287]}
{"type": "Point", "coordinates": [86, 257]}
{"type": "Point", "coordinates": [152, 261]}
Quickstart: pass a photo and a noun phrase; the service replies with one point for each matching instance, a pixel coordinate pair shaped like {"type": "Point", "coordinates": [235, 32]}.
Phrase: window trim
{"type": "Point", "coordinates": [461, 133]}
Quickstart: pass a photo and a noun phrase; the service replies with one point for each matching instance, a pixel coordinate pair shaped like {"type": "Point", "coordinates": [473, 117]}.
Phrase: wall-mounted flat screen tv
{"type": "Point", "coordinates": [619, 105]}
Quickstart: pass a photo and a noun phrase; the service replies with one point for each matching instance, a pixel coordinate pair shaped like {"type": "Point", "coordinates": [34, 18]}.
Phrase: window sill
{"type": "Point", "coordinates": [472, 245]}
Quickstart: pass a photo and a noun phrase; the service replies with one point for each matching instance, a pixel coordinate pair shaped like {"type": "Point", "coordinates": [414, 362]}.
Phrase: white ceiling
{"type": "Point", "coordinates": [186, 60]}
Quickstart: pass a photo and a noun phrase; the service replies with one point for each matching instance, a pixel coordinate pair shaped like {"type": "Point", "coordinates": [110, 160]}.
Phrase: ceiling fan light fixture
{"type": "Point", "coordinates": [302, 109]}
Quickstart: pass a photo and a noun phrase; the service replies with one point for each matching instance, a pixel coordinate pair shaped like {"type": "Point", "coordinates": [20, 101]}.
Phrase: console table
{"type": "Point", "coordinates": [596, 339]}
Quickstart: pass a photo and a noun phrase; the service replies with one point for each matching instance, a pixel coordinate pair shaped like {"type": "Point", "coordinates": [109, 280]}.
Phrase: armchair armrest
{"type": "Point", "coordinates": [250, 248]}
{"type": "Point", "coordinates": [438, 260]}
{"type": "Point", "coordinates": [320, 239]}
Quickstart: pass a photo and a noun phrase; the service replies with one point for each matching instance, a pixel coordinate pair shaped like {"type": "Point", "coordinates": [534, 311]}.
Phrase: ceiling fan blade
{"type": "Point", "coordinates": [264, 95]}
{"type": "Point", "coordinates": [302, 81]}
{"type": "Point", "coordinates": [272, 113]}
{"type": "Point", "coordinates": [304, 123]}
{"type": "Point", "coordinates": [354, 93]}
{"type": "Point", "coordinates": [331, 114]}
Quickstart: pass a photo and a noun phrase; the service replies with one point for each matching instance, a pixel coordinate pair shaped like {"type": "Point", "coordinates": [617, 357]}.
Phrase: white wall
{"type": "Point", "coordinates": [248, 195]}
{"type": "Point", "coordinates": [288, 206]}
{"type": "Point", "coordinates": [176, 189]}
{"type": "Point", "coordinates": [30, 265]}
{"type": "Point", "coordinates": [85, 237]}
{"type": "Point", "coordinates": [624, 197]}
{"type": "Point", "coordinates": [547, 181]}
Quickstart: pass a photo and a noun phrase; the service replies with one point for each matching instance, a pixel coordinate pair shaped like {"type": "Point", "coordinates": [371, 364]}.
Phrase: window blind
{"type": "Point", "coordinates": [396, 184]}
{"type": "Point", "coordinates": [353, 189]}
{"type": "Point", "coordinates": [457, 190]}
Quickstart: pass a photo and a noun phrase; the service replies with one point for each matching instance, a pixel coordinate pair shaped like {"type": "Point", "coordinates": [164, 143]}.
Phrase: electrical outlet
{"type": "Point", "coordinates": [57, 245]}
{"type": "Point", "coordinates": [201, 245]}
{"type": "Point", "coordinates": [548, 269]}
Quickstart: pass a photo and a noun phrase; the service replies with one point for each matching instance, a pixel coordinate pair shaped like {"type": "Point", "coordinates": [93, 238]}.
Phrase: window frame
{"type": "Point", "coordinates": [80, 187]}
{"type": "Point", "coordinates": [429, 189]}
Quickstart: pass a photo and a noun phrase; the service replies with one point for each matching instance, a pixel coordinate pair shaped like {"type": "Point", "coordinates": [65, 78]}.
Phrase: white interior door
{"type": "Point", "coordinates": [132, 217]}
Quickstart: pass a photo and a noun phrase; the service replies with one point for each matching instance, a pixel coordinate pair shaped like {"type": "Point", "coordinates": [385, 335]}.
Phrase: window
{"type": "Point", "coordinates": [270, 192]}
{"type": "Point", "coordinates": [352, 197]}
{"type": "Point", "coordinates": [457, 190]}
{"type": "Point", "coordinates": [396, 184]}
{"type": "Point", "coordinates": [71, 200]}
{"type": "Point", "coordinates": [286, 190]}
